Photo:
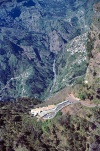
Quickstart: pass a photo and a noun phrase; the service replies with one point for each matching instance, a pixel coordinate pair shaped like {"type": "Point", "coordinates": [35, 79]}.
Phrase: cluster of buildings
{"type": "Point", "coordinates": [38, 111]}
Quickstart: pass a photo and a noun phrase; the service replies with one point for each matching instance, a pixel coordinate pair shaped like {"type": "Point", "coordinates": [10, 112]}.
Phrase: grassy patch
{"type": "Point", "coordinates": [46, 126]}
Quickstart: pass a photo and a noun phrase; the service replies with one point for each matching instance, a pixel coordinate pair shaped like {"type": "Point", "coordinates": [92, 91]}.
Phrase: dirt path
{"type": "Point", "coordinates": [88, 104]}
{"type": "Point", "coordinates": [73, 99]}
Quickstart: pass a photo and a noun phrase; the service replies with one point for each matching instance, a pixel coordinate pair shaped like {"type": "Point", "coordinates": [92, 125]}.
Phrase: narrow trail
{"type": "Point", "coordinates": [88, 105]}
{"type": "Point", "coordinates": [73, 99]}
{"type": "Point", "coordinates": [54, 80]}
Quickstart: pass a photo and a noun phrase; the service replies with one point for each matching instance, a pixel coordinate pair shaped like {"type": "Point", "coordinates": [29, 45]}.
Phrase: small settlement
{"type": "Point", "coordinates": [38, 111]}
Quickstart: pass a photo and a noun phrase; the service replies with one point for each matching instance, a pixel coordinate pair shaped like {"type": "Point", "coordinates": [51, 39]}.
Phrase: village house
{"type": "Point", "coordinates": [39, 110]}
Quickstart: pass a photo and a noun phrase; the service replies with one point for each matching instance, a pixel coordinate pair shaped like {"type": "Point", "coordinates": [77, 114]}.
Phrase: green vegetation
{"type": "Point", "coordinates": [91, 90]}
{"type": "Point", "coordinates": [19, 131]}
{"type": "Point", "coordinates": [99, 36]}
{"type": "Point", "coordinates": [71, 64]}
{"type": "Point", "coordinates": [58, 114]}
{"type": "Point", "coordinates": [75, 130]}
{"type": "Point", "coordinates": [79, 80]}
{"type": "Point", "coordinates": [84, 91]}
{"type": "Point", "coordinates": [98, 19]}
{"type": "Point", "coordinates": [89, 46]}
{"type": "Point", "coordinates": [82, 96]}
{"type": "Point", "coordinates": [46, 126]}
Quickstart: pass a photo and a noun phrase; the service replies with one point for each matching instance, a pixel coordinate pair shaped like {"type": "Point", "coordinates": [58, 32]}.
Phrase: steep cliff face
{"type": "Point", "coordinates": [33, 34]}
{"type": "Point", "coordinates": [93, 53]}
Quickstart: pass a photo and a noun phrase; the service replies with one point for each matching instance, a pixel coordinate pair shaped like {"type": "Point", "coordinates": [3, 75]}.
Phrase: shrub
{"type": "Point", "coordinates": [99, 36]}
{"type": "Point", "coordinates": [82, 96]}
{"type": "Point", "coordinates": [45, 126]}
{"type": "Point", "coordinates": [89, 46]}
{"type": "Point", "coordinates": [79, 80]}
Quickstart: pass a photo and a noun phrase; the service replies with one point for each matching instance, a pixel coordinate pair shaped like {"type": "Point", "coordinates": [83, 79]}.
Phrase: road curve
{"type": "Point", "coordinates": [51, 114]}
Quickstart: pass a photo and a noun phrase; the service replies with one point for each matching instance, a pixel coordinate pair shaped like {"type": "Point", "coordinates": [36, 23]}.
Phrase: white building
{"type": "Point", "coordinates": [37, 111]}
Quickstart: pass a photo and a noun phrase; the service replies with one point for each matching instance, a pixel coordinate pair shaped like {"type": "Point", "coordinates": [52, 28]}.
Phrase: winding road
{"type": "Point", "coordinates": [70, 100]}
{"type": "Point", "coordinates": [51, 113]}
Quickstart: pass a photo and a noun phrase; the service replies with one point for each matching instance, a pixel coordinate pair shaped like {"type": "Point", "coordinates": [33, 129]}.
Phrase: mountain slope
{"type": "Point", "coordinates": [75, 128]}
{"type": "Point", "coordinates": [93, 47]}
{"type": "Point", "coordinates": [33, 34]}
{"type": "Point", "coordinates": [90, 89]}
